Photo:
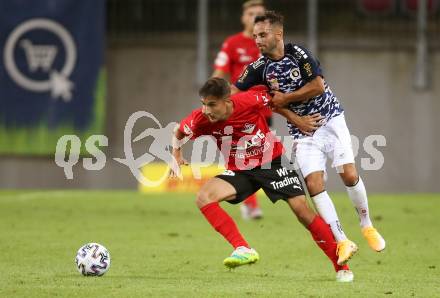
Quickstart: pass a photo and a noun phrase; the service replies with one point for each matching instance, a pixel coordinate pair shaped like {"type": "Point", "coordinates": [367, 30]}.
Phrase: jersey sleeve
{"type": "Point", "coordinates": [309, 66]}
{"type": "Point", "coordinates": [251, 76]}
{"type": "Point", "coordinates": [223, 60]}
{"type": "Point", "coordinates": [189, 125]}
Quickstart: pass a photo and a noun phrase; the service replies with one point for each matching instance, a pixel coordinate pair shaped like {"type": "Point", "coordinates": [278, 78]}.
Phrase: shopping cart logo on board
{"type": "Point", "coordinates": [42, 74]}
{"type": "Point", "coordinates": [38, 56]}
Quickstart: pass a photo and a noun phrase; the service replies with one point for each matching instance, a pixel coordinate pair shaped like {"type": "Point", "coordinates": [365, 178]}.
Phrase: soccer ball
{"type": "Point", "coordinates": [92, 259]}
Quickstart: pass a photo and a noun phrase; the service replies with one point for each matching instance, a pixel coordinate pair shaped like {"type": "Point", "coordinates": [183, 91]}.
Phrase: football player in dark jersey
{"type": "Point", "coordinates": [297, 83]}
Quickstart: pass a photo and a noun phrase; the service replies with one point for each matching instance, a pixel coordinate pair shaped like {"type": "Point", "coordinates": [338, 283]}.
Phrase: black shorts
{"type": "Point", "coordinates": [277, 182]}
{"type": "Point", "coordinates": [269, 121]}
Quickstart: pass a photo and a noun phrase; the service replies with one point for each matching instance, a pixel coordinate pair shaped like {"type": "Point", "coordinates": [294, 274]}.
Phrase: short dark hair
{"type": "Point", "coordinates": [216, 87]}
{"type": "Point", "coordinates": [272, 17]}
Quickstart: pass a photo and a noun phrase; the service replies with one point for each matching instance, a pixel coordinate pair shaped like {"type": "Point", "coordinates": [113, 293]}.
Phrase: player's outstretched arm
{"type": "Point", "coordinates": [306, 124]}
{"type": "Point", "coordinates": [313, 88]}
{"type": "Point", "coordinates": [178, 140]}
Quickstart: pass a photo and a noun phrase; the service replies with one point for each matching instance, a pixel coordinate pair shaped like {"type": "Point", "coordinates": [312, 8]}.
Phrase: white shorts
{"type": "Point", "coordinates": [332, 140]}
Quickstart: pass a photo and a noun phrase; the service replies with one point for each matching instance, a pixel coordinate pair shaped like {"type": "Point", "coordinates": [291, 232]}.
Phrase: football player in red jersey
{"type": "Point", "coordinates": [237, 52]}
{"type": "Point", "coordinates": [254, 159]}
{"type": "Point", "coordinates": [240, 49]}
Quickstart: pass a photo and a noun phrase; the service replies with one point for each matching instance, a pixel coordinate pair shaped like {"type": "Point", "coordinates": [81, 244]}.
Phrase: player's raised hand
{"type": "Point", "coordinates": [308, 124]}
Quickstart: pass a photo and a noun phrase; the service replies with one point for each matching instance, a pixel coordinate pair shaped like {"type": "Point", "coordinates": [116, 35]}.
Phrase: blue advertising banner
{"type": "Point", "coordinates": [52, 80]}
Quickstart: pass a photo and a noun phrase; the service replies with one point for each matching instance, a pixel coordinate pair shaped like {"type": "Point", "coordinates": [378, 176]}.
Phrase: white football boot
{"type": "Point", "coordinates": [344, 276]}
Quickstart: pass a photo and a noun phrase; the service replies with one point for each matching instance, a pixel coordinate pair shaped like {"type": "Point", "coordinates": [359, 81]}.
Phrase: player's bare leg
{"type": "Point", "coordinates": [211, 193]}
{"type": "Point", "coordinates": [358, 195]}
{"type": "Point", "coordinates": [321, 233]}
{"type": "Point", "coordinates": [325, 207]}
{"type": "Point", "coordinates": [250, 209]}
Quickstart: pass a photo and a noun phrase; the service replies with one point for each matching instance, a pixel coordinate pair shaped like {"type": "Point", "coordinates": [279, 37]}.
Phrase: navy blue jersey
{"type": "Point", "coordinates": [293, 71]}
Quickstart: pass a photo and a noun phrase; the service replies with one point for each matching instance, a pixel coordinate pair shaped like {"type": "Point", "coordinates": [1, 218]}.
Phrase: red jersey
{"type": "Point", "coordinates": [244, 139]}
{"type": "Point", "coordinates": [236, 53]}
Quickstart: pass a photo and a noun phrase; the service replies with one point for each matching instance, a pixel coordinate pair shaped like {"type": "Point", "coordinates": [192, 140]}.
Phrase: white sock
{"type": "Point", "coordinates": [327, 211]}
{"type": "Point", "coordinates": [358, 196]}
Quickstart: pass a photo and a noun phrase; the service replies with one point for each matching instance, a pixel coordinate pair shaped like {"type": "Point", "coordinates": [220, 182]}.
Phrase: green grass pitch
{"type": "Point", "coordinates": [161, 246]}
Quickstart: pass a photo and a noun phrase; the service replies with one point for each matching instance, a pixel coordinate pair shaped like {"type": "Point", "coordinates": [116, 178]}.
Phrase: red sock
{"type": "Point", "coordinates": [223, 224]}
{"type": "Point", "coordinates": [323, 236]}
{"type": "Point", "coordinates": [251, 201]}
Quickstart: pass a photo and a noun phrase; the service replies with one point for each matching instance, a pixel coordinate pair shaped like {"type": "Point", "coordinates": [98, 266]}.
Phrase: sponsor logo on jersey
{"type": "Point", "coordinates": [241, 51]}
{"type": "Point", "coordinates": [243, 76]}
{"type": "Point", "coordinates": [308, 69]}
{"type": "Point", "coordinates": [258, 63]}
{"type": "Point", "coordinates": [248, 128]}
{"type": "Point", "coordinates": [255, 140]}
{"type": "Point", "coordinates": [294, 74]}
{"type": "Point", "coordinates": [286, 182]}
{"type": "Point", "coordinates": [273, 83]}
{"type": "Point", "coordinates": [244, 59]}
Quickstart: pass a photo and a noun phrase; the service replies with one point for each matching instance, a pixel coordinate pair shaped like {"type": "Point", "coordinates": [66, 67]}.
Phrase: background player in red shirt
{"type": "Point", "coordinates": [254, 159]}
{"type": "Point", "coordinates": [237, 52]}
{"type": "Point", "coordinates": [240, 49]}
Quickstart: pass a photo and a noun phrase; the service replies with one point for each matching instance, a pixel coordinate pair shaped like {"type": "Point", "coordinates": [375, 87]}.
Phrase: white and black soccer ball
{"type": "Point", "coordinates": [92, 259]}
